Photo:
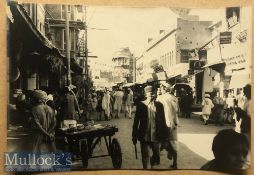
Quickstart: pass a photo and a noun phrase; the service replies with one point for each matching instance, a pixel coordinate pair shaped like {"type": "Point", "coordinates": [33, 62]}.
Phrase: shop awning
{"type": "Point", "coordinates": [26, 31]}
{"type": "Point", "coordinates": [38, 53]}
{"type": "Point", "coordinates": [217, 66]}
{"type": "Point", "coordinates": [239, 79]}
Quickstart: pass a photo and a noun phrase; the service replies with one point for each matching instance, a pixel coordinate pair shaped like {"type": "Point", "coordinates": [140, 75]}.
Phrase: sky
{"type": "Point", "coordinates": [131, 27]}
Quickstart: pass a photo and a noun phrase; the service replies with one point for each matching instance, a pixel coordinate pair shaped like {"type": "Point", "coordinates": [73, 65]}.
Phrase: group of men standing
{"type": "Point", "coordinates": [155, 125]}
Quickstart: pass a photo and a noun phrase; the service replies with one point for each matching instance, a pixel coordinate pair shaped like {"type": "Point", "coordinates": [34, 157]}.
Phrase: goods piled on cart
{"type": "Point", "coordinates": [81, 139]}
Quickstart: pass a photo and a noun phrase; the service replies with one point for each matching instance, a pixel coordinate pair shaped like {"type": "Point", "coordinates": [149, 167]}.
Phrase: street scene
{"type": "Point", "coordinates": [130, 88]}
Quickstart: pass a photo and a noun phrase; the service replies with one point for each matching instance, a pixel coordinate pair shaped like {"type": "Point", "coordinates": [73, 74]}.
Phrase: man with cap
{"type": "Point", "coordinates": [118, 95]}
{"type": "Point", "coordinates": [171, 110]}
{"type": "Point", "coordinates": [149, 115]}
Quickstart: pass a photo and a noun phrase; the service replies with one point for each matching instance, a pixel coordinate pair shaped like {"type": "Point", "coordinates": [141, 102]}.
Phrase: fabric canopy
{"type": "Point", "coordinates": [27, 32]}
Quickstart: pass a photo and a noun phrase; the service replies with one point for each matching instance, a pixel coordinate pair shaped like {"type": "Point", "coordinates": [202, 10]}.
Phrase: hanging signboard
{"type": "Point", "coordinates": [235, 56]}
{"type": "Point", "coordinates": [225, 37]}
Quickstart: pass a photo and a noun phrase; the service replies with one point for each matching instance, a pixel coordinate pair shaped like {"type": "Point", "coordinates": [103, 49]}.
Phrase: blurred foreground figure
{"type": "Point", "coordinates": [230, 150]}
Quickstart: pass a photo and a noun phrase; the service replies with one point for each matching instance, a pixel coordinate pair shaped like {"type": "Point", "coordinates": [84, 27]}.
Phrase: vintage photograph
{"type": "Point", "coordinates": [111, 87]}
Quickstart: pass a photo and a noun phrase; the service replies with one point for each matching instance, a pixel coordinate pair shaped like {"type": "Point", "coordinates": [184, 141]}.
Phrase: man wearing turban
{"type": "Point", "coordinates": [43, 123]}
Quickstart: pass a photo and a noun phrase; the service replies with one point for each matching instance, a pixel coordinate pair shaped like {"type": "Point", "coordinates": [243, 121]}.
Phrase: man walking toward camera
{"type": "Point", "coordinates": [146, 128]}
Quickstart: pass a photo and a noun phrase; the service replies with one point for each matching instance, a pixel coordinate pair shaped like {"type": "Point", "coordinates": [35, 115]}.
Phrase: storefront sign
{"type": "Point", "coordinates": [225, 37]}
{"type": "Point", "coordinates": [235, 56]}
{"type": "Point", "coordinates": [238, 59]}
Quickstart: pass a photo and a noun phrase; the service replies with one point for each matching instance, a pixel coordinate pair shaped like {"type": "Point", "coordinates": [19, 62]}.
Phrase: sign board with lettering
{"type": "Point", "coordinates": [235, 56]}
{"type": "Point", "coordinates": [225, 37]}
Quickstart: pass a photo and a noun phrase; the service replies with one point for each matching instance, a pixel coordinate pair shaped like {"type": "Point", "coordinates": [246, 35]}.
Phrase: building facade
{"type": "Point", "coordinates": [101, 73]}
{"type": "Point", "coordinates": [229, 53]}
{"type": "Point", "coordinates": [55, 25]}
{"type": "Point", "coordinates": [171, 48]}
{"type": "Point", "coordinates": [123, 62]}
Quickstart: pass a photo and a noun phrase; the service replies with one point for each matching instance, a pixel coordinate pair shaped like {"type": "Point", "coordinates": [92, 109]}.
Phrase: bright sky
{"type": "Point", "coordinates": [130, 27]}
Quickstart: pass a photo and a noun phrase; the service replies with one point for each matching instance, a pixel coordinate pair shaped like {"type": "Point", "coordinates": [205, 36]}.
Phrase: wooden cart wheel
{"type": "Point", "coordinates": [116, 154]}
{"type": "Point", "coordinates": [84, 153]}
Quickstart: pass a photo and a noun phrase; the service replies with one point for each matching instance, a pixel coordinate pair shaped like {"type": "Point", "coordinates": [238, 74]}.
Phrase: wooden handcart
{"type": "Point", "coordinates": [82, 143]}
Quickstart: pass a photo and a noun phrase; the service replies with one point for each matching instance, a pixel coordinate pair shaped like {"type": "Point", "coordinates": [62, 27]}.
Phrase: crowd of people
{"type": "Point", "coordinates": [220, 111]}
{"type": "Point", "coordinates": [109, 103]}
{"type": "Point", "coordinates": [102, 104]}
{"type": "Point", "coordinates": [155, 123]}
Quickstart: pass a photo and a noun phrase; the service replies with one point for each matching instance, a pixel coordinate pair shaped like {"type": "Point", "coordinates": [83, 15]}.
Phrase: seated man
{"type": "Point", "coordinates": [230, 150]}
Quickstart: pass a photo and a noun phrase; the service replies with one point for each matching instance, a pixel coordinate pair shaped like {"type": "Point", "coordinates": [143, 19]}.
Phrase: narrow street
{"type": "Point", "coordinates": [68, 63]}
{"type": "Point", "coordinates": [195, 141]}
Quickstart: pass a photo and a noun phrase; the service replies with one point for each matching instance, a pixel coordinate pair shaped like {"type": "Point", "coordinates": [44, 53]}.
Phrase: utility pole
{"type": "Point", "coordinates": [67, 40]}
{"type": "Point", "coordinates": [86, 50]}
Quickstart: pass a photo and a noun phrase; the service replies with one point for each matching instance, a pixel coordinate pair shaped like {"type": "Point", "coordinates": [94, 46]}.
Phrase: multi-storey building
{"type": "Point", "coordinates": [172, 47]}
{"type": "Point", "coordinates": [37, 14]}
{"type": "Point", "coordinates": [229, 52]}
{"type": "Point", "coordinates": [55, 25]}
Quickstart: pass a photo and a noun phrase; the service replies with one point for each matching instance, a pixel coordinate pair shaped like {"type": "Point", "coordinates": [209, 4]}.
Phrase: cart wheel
{"type": "Point", "coordinates": [116, 154]}
{"type": "Point", "coordinates": [84, 153]}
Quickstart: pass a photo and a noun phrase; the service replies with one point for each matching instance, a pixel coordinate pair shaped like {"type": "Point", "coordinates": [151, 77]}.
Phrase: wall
{"type": "Point", "coordinates": [163, 52]}
{"type": "Point", "coordinates": [191, 35]}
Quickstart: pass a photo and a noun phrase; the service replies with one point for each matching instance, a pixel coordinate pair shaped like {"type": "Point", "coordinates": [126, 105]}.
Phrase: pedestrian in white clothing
{"type": "Point", "coordinates": [106, 105]}
{"type": "Point", "coordinates": [241, 99]}
{"type": "Point", "coordinates": [118, 102]}
{"type": "Point", "coordinates": [129, 102]}
{"type": "Point", "coordinates": [207, 106]}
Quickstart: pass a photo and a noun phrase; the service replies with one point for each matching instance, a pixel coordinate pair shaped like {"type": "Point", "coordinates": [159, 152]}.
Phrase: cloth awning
{"type": "Point", "coordinates": [239, 79]}
{"type": "Point", "coordinates": [27, 31]}
{"type": "Point", "coordinates": [27, 38]}
{"type": "Point", "coordinates": [217, 66]}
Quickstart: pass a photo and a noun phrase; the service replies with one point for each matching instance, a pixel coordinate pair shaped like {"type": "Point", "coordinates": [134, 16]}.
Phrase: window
{"type": "Point", "coordinates": [41, 27]}
{"type": "Point", "coordinates": [232, 16]}
{"type": "Point", "coordinates": [184, 56]}
{"type": "Point", "coordinates": [63, 11]}
{"type": "Point", "coordinates": [168, 64]}
{"type": "Point", "coordinates": [79, 8]}
{"type": "Point", "coordinates": [170, 59]}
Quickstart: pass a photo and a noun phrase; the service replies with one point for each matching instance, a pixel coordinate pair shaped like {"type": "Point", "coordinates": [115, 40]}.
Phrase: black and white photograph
{"type": "Point", "coordinates": [129, 88]}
